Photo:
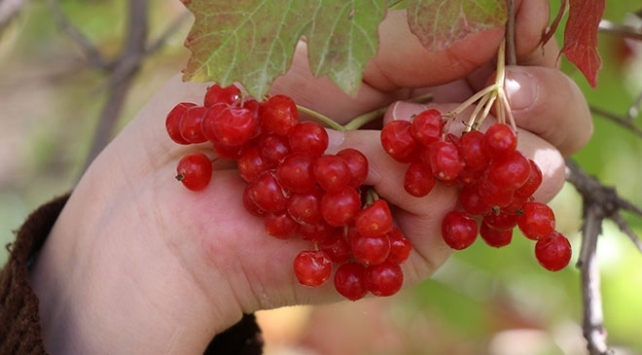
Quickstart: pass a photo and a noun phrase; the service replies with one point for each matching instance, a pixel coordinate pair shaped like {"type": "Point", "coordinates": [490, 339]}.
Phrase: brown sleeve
{"type": "Point", "coordinates": [20, 331]}
{"type": "Point", "coordinates": [19, 319]}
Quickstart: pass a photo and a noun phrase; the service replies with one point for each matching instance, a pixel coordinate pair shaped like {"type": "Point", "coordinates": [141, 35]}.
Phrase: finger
{"type": "Point", "coordinates": [545, 154]}
{"type": "Point", "coordinates": [545, 56]}
{"type": "Point", "coordinates": [549, 104]}
{"type": "Point", "coordinates": [323, 96]}
{"type": "Point", "coordinates": [530, 22]}
{"type": "Point", "coordinates": [402, 61]}
{"type": "Point", "coordinates": [419, 217]}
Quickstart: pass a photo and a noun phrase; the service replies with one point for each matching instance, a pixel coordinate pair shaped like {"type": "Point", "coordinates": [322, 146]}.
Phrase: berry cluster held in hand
{"type": "Point", "coordinates": [296, 188]}
{"type": "Point", "coordinates": [496, 183]}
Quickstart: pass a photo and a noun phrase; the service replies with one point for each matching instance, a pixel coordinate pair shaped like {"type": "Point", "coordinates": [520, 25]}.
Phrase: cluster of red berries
{"type": "Point", "coordinates": [296, 188]}
{"type": "Point", "coordinates": [496, 183]}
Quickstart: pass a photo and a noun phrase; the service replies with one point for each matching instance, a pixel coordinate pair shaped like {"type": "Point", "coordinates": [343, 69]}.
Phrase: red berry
{"type": "Point", "coordinates": [318, 232]}
{"type": "Point", "coordinates": [225, 151]}
{"type": "Point", "coordinates": [305, 208]}
{"type": "Point", "coordinates": [339, 208]}
{"type": "Point", "coordinates": [217, 94]}
{"type": "Point", "coordinates": [492, 194]}
{"type": "Point", "coordinates": [190, 124]}
{"type": "Point", "coordinates": [374, 220]}
{"type": "Point", "coordinates": [510, 171]}
{"type": "Point", "coordinates": [384, 279]}
{"type": "Point", "coordinates": [249, 204]}
{"type": "Point", "coordinates": [398, 142]}
{"type": "Point", "coordinates": [536, 220]}
{"type": "Point", "coordinates": [280, 225]}
{"type": "Point", "coordinates": [279, 114]}
{"type": "Point", "coordinates": [250, 164]}
{"type": "Point", "coordinates": [444, 160]}
{"type": "Point", "coordinates": [553, 252]}
{"type": "Point", "coordinates": [210, 116]}
{"type": "Point", "coordinates": [467, 176]}
{"type": "Point", "coordinates": [194, 171]}
{"type": "Point", "coordinates": [274, 147]}
{"type": "Point", "coordinates": [400, 246]}
{"type": "Point", "coordinates": [234, 126]}
{"type": "Point", "coordinates": [312, 268]}
{"type": "Point", "coordinates": [331, 172]}
{"type": "Point", "coordinates": [252, 105]}
{"type": "Point", "coordinates": [499, 140]}
{"type": "Point", "coordinates": [336, 247]}
{"type": "Point", "coordinates": [349, 281]}
{"type": "Point", "coordinates": [370, 250]}
{"type": "Point", "coordinates": [532, 183]}
{"type": "Point", "coordinates": [358, 165]}
{"type": "Point", "coordinates": [459, 230]}
{"type": "Point", "coordinates": [308, 138]}
{"type": "Point", "coordinates": [470, 148]}
{"type": "Point", "coordinates": [418, 180]}
{"type": "Point", "coordinates": [295, 173]}
{"type": "Point", "coordinates": [494, 237]}
{"type": "Point", "coordinates": [427, 126]}
{"type": "Point", "coordinates": [471, 201]}
{"type": "Point", "coordinates": [501, 221]}
{"type": "Point", "coordinates": [267, 194]}
{"type": "Point", "coordinates": [173, 120]}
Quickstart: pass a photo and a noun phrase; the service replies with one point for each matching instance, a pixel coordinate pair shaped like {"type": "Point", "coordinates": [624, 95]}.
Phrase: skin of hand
{"type": "Point", "coordinates": [136, 263]}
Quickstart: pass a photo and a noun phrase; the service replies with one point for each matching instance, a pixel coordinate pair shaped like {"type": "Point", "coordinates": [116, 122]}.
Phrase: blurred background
{"type": "Point", "coordinates": [484, 301]}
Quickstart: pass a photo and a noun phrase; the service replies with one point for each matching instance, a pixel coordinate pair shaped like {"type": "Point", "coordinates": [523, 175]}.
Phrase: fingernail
{"type": "Point", "coordinates": [335, 138]}
{"type": "Point", "coordinates": [521, 88]}
{"type": "Point", "coordinates": [402, 110]}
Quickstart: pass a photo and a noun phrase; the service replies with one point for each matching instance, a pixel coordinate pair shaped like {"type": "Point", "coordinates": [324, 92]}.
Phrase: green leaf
{"type": "Point", "coordinates": [440, 23]}
{"type": "Point", "coordinates": [253, 41]}
{"type": "Point", "coordinates": [248, 41]}
{"type": "Point", "coordinates": [342, 40]}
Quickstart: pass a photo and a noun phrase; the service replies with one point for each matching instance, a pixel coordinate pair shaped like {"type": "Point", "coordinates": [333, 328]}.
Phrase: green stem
{"type": "Point", "coordinates": [478, 108]}
{"type": "Point", "coordinates": [371, 197]}
{"type": "Point", "coordinates": [397, 5]}
{"type": "Point", "coordinates": [364, 119]}
{"type": "Point", "coordinates": [358, 121]}
{"type": "Point", "coordinates": [501, 64]}
{"type": "Point", "coordinates": [459, 109]}
{"type": "Point", "coordinates": [487, 110]}
{"type": "Point", "coordinates": [368, 117]}
{"type": "Point", "coordinates": [321, 118]}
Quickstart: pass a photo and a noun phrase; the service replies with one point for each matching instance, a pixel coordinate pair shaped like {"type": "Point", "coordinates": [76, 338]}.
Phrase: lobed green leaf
{"type": "Point", "coordinates": [440, 23]}
{"type": "Point", "coordinates": [253, 41]}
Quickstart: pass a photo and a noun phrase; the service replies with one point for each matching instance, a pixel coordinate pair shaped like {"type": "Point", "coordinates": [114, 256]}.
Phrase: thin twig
{"type": "Point", "coordinates": [174, 26]}
{"type": "Point", "coordinates": [599, 203]}
{"type": "Point", "coordinates": [620, 30]}
{"type": "Point", "coordinates": [92, 55]}
{"type": "Point", "coordinates": [511, 56]}
{"type": "Point", "coordinates": [9, 9]}
{"type": "Point", "coordinates": [625, 122]}
{"type": "Point", "coordinates": [593, 322]}
{"type": "Point", "coordinates": [594, 213]}
{"type": "Point", "coordinates": [624, 227]}
{"type": "Point", "coordinates": [122, 75]}
{"type": "Point", "coordinates": [634, 109]}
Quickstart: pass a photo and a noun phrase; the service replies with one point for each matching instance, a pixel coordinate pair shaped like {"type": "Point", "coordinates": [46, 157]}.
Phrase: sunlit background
{"type": "Point", "coordinates": [483, 301]}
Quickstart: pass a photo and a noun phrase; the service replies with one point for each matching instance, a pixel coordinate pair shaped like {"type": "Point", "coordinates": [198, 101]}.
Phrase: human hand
{"type": "Point", "coordinates": [136, 257]}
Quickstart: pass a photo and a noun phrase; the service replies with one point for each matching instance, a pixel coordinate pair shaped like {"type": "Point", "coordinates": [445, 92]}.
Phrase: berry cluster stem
{"type": "Point", "coordinates": [358, 121]}
{"type": "Point", "coordinates": [494, 94]}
